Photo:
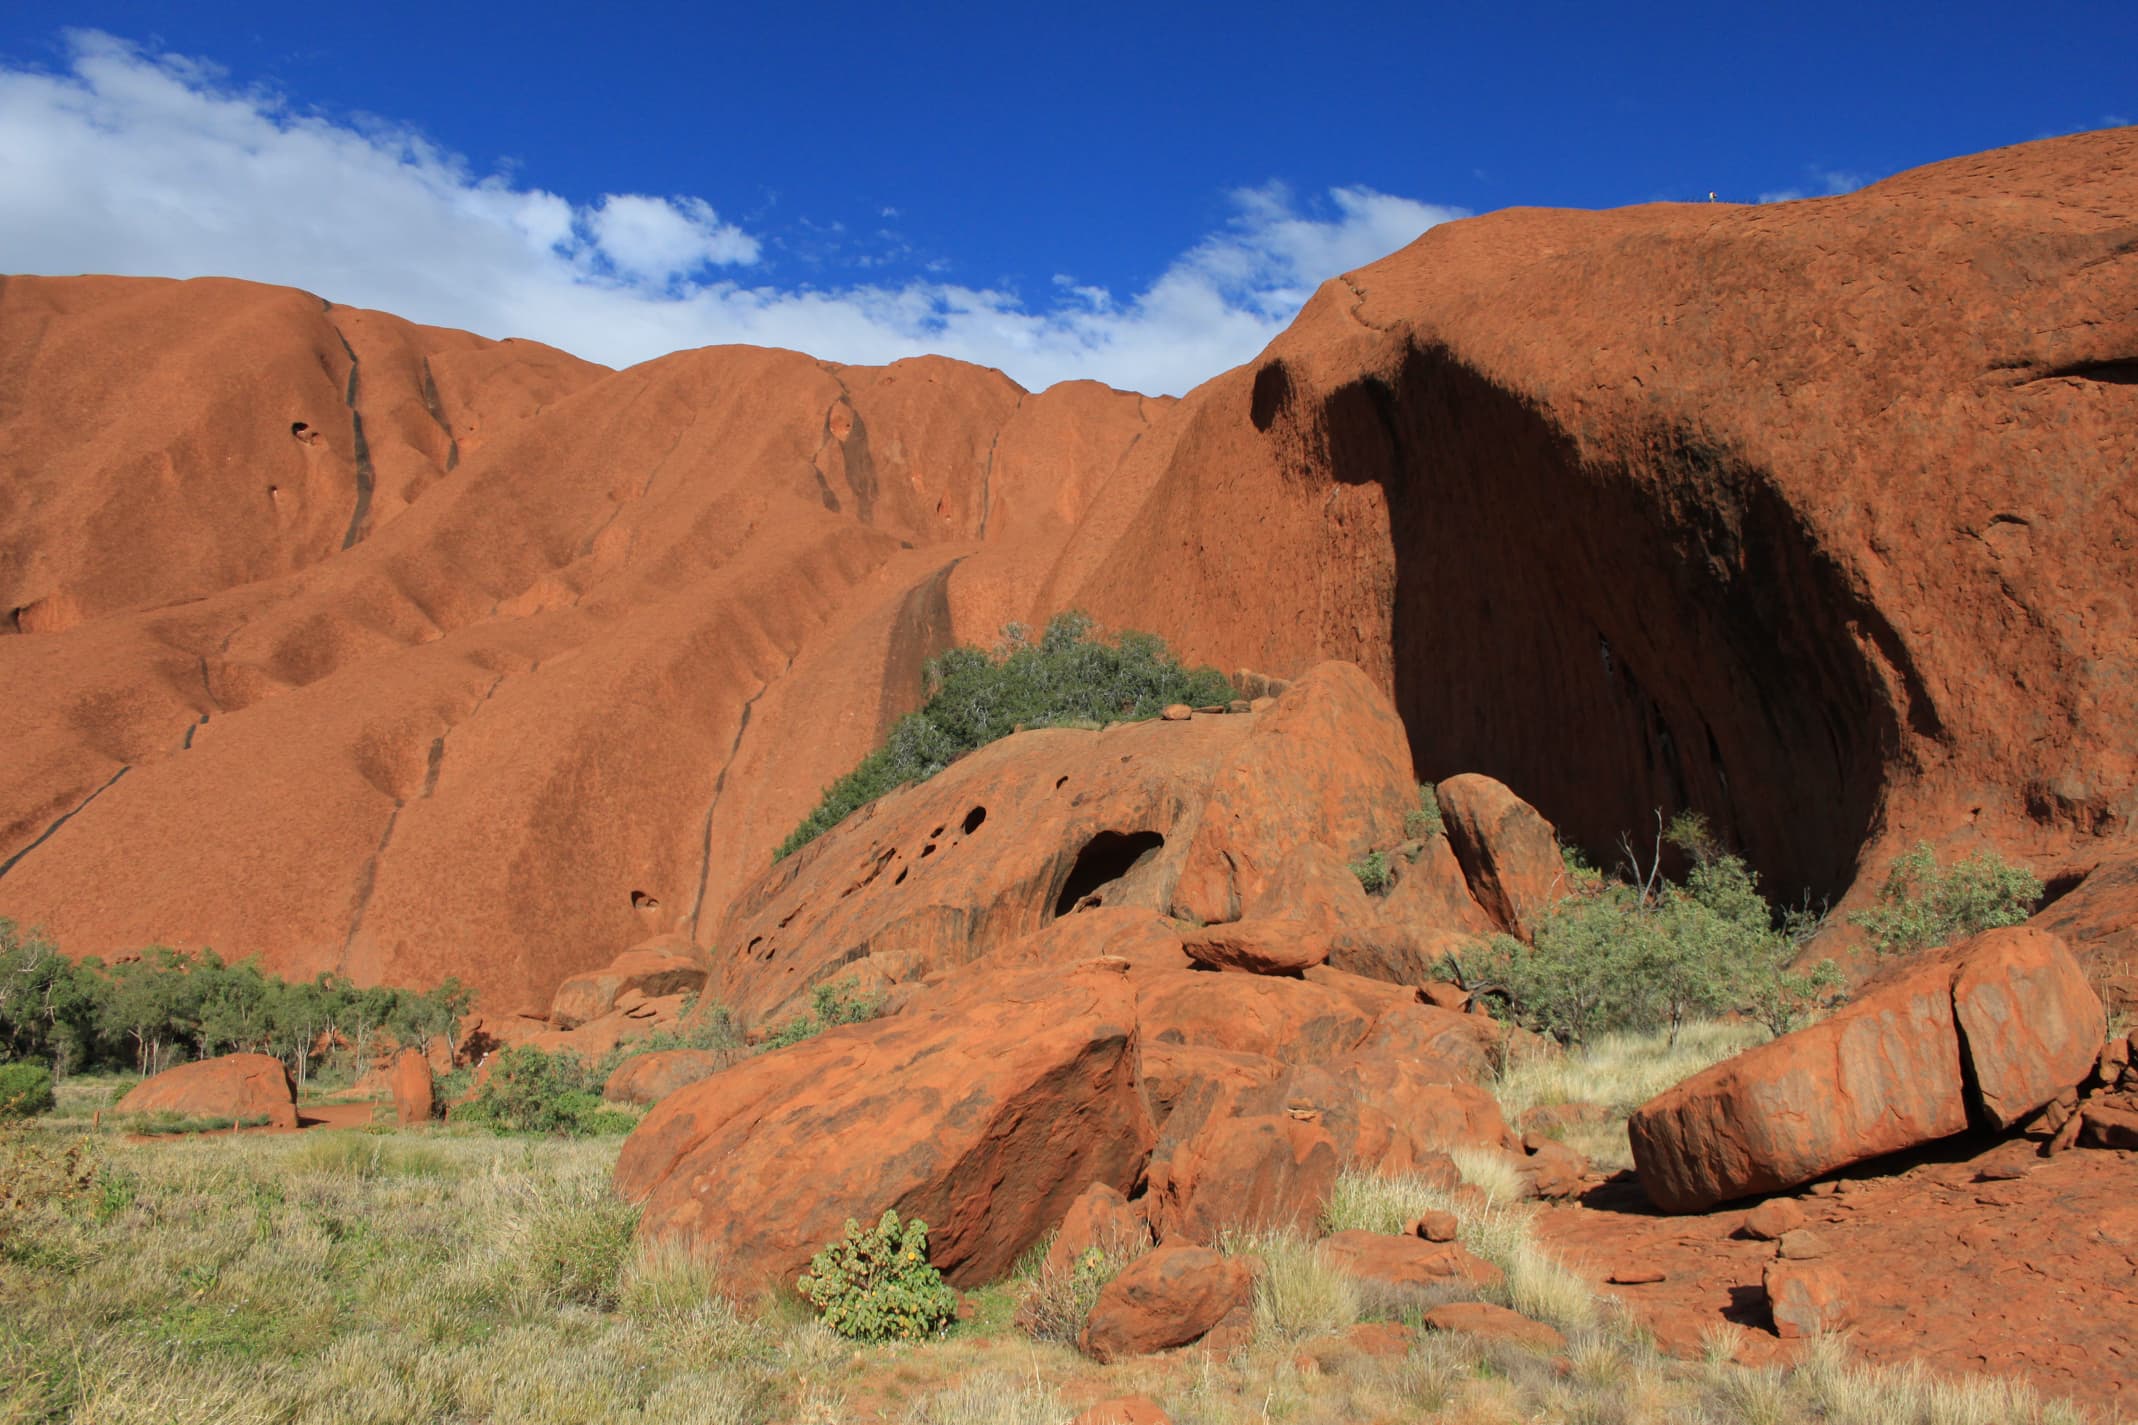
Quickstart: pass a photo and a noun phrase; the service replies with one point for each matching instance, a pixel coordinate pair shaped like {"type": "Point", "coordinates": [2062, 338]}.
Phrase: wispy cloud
{"type": "Point", "coordinates": [1818, 183]}
{"type": "Point", "coordinates": [139, 163]}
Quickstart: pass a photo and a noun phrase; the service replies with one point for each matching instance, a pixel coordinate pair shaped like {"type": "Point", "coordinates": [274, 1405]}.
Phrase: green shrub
{"type": "Point", "coordinates": [1425, 821]}
{"type": "Point", "coordinates": [1054, 1303]}
{"type": "Point", "coordinates": [25, 1090]}
{"type": "Point", "coordinates": [1069, 677]}
{"type": "Point", "coordinates": [831, 1005]}
{"type": "Point", "coordinates": [1372, 872]}
{"type": "Point", "coordinates": [1616, 956]}
{"type": "Point", "coordinates": [530, 1091]}
{"type": "Point", "coordinates": [875, 1284]}
{"type": "Point", "coordinates": [1922, 905]}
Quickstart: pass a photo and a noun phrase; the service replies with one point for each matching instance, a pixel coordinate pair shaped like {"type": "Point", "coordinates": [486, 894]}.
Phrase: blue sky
{"type": "Point", "coordinates": [1141, 194]}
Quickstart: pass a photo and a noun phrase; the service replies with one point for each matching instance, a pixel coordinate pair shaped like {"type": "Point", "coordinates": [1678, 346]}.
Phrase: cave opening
{"type": "Point", "coordinates": [1106, 858]}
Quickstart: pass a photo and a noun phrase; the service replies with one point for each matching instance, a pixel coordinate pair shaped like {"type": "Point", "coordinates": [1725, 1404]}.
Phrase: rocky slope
{"type": "Point", "coordinates": [367, 646]}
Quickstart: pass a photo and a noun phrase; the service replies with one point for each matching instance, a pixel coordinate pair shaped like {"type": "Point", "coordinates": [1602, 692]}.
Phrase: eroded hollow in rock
{"type": "Point", "coordinates": [1631, 623]}
{"type": "Point", "coordinates": [1106, 858]}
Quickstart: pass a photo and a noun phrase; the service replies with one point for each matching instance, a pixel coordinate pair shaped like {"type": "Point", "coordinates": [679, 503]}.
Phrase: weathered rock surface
{"type": "Point", "coordinates": [1188, 818]}
{"type": "Point", "coordinates": [651, 971]}
{"type": "Point", "coordinates": [1508, 853]}
{"type": "Point", "coordinates": [651, 1077]}
{"type": "Point", "coordinates": [235, 1086]}
{"type": "Point", "coordinates": [412, 1087]}
{"type": "Point", "coordinates": [1100, 1218]}
{"type": "Point", "coordinates": [984, 1114]}
{"type": "Point", "coordinates": [1493, 1323]}
{"type": "Point", "coordinates": [1399, 1265]}
{"type": "Point", "coordinates": [1167, 1298]}
{"type": "Point", "coordinates": [1890, 1070]}
{"type": "Point", "coordinates": [1259, 947]}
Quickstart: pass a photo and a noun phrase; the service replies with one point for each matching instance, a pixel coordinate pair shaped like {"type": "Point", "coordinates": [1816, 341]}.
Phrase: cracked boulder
{"type": "Point", "coordinates": [1982, 1036]}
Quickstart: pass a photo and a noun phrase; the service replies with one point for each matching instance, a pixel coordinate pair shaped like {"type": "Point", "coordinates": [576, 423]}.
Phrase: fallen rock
{"type": "Point", "coordinates": [1432, 894]}
{"type": "Point", "coordinates": [1259, 1171]}
{"type": "Point", "coordinates": [648, 1078]}
{"type": "Point", "coordinates": [2110, 1124]}
{"type": "Point", "coordinates": [1768, 1221]}
{"type": "Point", "coordinates": [1801, 1244]}
{"type": "Point", "coordinates": [1260, 947]}
{"type": "Point", "coordinates": [1406, 1264]}
{"type": "Point", "coordinates": [1100, 1217]}
{"type": "Point", "coordinates": [1509, 854]}
{"type": "Point", "coordinates": [1166, 1298]}
{"type": "Point", "coordinates": [2029, 1022]}
{"type": "Point", "coordinates": [1806, 1299]}
{"type": "Point", "coordinates": [412, 1088]}
{"type": "Point", "coordinates": [1493, 1323]}
{"type": "Point", "coordinates": [1552, 1171]}
{"type": "Point", "coordinates": [1437, 1227]}
{"type": "Point", "coordinates": [983, 1111]}
{"type": "Point", "coordinates": [1889, 1071]}
{"type": "Point", "coordinates": [235, 1086]}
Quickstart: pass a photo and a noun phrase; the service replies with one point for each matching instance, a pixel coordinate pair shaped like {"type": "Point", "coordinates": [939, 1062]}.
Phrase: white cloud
{"type": "Point", "coordinates": [1819, 183]}
{"type": "Point", "coordinates": [157, 165]}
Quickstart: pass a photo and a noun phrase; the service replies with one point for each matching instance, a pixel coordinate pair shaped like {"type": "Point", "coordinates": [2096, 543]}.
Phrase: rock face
{"type": "Point", "coordinates": [235, 1086]}
{"type": "Point", "coordinates": [495, 662]}
{"type": "Point", "coordinates": [1188, 818]}
{"type": "Point", "coordinates": [649, 971]}
{"type": "Point", "coordinates": [649, 1078]}
{"type": "Point", "coordinates": [983, 1115]}
{"type": "Point", "coordinates": [1166, 1298]}
{"type": "Point", "coordinates": [1895, 1068]}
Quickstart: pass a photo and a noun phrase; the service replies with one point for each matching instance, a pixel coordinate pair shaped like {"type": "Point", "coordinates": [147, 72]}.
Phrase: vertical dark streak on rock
{"type": "Point", "coordinates": [365, 477]}
{"type": "Point", "coordinates": [705, 864]}
{"type": "Point", "coordinates": [368, 882]}
{"type": "Point", "coordinates": [436, 407]}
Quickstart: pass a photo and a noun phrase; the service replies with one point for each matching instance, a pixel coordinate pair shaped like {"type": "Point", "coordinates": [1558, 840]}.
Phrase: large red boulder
{"type": "Point", "coordinates": [1893, 1069]}
{"type": "Point", "coordinates": [983, 1112]}
{"type": "Point", "coordinates": [235, 1086]}
{"type": "Point", "coordinates": [1260, 947]}
{"type": "Point", "coordinates": [1166, 1298]}
{"type": "Point", "coordinates": [410, 1079]}
{"type": "Point", "coordinates": [1509, 854]}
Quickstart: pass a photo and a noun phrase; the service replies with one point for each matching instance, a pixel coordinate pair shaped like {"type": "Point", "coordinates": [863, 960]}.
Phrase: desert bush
{"type": "Point", "coordinates": [577, 1245]}
{"type": "Point", "coordinates": [1054, 1302]}
{"type": "Point", "coordinates": [1652, 954]}
{"type": "Point", "coordinates": [831, 1004]}
{"type": "Point", "coordinates": [875, 1284]}
{"type": "Point", "coordinates": [1425, 819]}
{"type": "Point", "coordinates": [1069, 677]}
{"type": "Point", "coordinates": [532, 1091]}
{"type": "Point", "coordinates": [25, 1090]}
{"type": "Point", "coordinates": [1372, 871]}
{"type": "Point", "coordinates": [1299, 1292]}
{"type": "Point", "coordinates": [1922, 904]}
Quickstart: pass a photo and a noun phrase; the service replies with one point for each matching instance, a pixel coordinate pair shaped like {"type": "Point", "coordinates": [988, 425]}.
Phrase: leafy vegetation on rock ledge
{"type": "Point", "coordinates": [875, 1284]}
{"type": "Point", "coordinates": [1068, 677]}
{"type": "Point", "coordinates": [1923, 904]}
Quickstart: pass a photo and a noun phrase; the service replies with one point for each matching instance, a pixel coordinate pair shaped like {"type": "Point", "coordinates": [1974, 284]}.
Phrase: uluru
{"type": "Point", "coordinates": [1567, 817]}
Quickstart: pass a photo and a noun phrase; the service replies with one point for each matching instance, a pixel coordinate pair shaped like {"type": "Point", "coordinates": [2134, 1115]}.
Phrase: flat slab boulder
{"type": "Point", "coordinates": [1166, 1298]}
{"type": "Point", "coordinates": [1508, 852]}
{"type": "Point", "coordinates": [1259, 947]}
{"type": "Point", "coordinates": [1897, 1068]}
{"type": "Point", "coordinates": [984, 1114]}
{"type": "Point", "coordinates": [1399, 1264]}
{"type": "Point", "coordinates": [235, 1086]}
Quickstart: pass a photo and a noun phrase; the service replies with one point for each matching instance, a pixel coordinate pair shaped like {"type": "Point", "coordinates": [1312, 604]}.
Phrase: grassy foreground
{"type": "Point", "coordinates": [437, 1276]}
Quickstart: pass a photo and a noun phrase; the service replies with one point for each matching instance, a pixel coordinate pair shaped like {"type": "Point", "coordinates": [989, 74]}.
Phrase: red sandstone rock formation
{"type": "Point", "coordinates": [1815, 517]}
{"type": "Point", "coordinates": [235, 1086]}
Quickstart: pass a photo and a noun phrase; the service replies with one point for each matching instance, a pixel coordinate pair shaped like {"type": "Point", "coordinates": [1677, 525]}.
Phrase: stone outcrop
{"type": "Point", "coordinates": [650, 1077]}
{"type": "Point", "coordinates": [236, 1087]}
{"type": "Point", "coordinates": [651, 971]}
{"type": "Point", "coordinates": [1986, 1036]}
{"type": "Point", "coordinates": [1167, 1298]}
{"type": "Point", "coordinates": [412, 1088]}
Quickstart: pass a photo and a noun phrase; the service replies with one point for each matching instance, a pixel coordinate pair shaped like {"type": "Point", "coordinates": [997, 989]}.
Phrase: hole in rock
{"type": "Point", "coordinates": [1272, 393]}
{"type": "Point", "coordinates": [298, 427]}
{"type": "Point", "coordinates": [900, 878]}
{"type": "Point", "coordinates": [1106, 858]}
{"type": "Point", "coordinates": [927, 851]}
{"type": "Point", "coordinates": [973, 819]}
{"type": "Point", "coordinates": [1060, 782]}
{"type": "Point", "coordinates": [937, 832]}
{"type": "Point", "coordinates": [641, 901]}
